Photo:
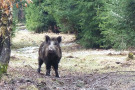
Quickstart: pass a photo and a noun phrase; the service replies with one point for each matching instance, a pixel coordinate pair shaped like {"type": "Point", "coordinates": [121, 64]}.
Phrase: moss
{"type": "Point", "coordinates": [131, 55]}
{"type": "Point", "coordinates": [3, 69]}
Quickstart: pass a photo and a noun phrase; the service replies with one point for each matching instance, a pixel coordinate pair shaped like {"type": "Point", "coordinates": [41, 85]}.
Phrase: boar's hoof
{"type": "Point", "coordinates": [47, 74]}
{"type": "Point", "coordinates": [38, 70]}
{"type": "Point", "coordinates": [57, 76]}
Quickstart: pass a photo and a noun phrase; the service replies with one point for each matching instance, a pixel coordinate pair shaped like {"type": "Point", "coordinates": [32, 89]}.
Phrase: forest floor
{"type": "Point", "coordinates": [79, 69]}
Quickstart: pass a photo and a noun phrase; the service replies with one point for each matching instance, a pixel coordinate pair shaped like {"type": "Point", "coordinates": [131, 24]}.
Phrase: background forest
{"type": "Point", "coordinates": [96, 23]}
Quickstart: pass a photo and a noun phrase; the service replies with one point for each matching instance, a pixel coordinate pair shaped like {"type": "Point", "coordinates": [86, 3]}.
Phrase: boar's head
{"type": "Point", "coordinates": [53, 45]}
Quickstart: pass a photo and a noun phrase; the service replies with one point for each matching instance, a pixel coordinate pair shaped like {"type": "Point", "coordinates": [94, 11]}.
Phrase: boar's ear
{"type": "Point", "coordinates": [47, 38]}
{"type": "Point", "coordinates": [59, 39]}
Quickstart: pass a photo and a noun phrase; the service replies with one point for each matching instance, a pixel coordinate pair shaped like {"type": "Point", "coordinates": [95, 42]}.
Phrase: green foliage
{"type": "Point", "coordinates": [64, 12]}
{"type": "Point", "coordinates": [96, 23]}
{"type": "Point", "coordinates": [37, 19]}
{"type": "Point", "coordinates": [89, 23]}
{"type": "Point", "coordinates": [116, 24]}
{"type": "Point", "coordinates": [80, 17]}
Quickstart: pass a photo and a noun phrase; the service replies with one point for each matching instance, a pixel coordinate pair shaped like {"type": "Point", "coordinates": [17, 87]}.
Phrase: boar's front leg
{"type": "Point", "coordinates": [56, 69]}
{"type": "Point", "coordinates": [40, 62]}
{"type": "Point", "coordinates": [48, 68]}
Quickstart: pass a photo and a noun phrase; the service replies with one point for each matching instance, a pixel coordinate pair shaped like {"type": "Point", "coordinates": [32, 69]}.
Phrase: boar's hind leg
{"type": "Point", "coordinates": [40, 62]}
{"type": "Point", "coordinates": [48, 68]}
{"type": "Point", "coordinates": [56, 69]}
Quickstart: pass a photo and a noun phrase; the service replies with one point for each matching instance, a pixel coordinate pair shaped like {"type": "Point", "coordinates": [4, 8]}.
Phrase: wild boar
{"type": "Point", "coordinates": [50, 53]}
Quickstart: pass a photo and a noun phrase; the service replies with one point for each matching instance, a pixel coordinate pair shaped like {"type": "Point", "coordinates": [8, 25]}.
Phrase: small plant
{"type": "Point", "coordinates": [3, 69]}
{"type": "Point", "coordinates": [131, 55]}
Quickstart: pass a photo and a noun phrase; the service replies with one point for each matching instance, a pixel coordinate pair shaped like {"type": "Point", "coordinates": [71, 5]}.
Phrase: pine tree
{"type": "Point", "coordinates": [90, 34]}
{"type": "Point", "coordinates": [113, 24]}
{"type": "Point", "coordinates": [37, 18]}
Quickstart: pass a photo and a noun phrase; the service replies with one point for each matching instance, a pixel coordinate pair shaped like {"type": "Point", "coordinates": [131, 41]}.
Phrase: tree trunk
{"type": "Point", "coordinates": [1, 45]}
{"type": "Point", "coordinates": [5, 50]}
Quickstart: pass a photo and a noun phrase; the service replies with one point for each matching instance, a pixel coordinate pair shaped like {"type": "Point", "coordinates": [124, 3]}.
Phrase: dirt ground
{"type": "Point", "coordinates": [79, 69]}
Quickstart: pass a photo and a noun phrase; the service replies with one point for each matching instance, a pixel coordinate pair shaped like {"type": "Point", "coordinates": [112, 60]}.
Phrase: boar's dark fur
{"type": "Point", "coordinates": [50, 53]}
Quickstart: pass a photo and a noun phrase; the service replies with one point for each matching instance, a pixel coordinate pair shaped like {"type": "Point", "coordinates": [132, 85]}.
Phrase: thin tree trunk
{"type": "Point", "coordinates": [1, 45]}
{"type": "Point", "coordinates": [5, 40]}
{"type": "Point", "coordinates": [5, 29]}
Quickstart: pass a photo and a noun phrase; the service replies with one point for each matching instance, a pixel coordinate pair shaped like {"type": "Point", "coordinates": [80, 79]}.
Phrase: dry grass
{"type": "Point", "coordinates": [26, 38]}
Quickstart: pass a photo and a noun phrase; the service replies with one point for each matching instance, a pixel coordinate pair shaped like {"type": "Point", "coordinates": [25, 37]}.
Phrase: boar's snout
{"type": "Point", "coordinates": [51, 49]}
